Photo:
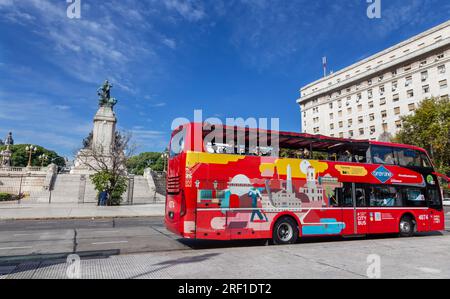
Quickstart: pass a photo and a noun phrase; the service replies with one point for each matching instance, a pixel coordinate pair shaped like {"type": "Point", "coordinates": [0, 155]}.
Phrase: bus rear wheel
{"type": "Point", "coordinates": [285, 232]}
{"type": "Point", "coordinates": [407, 226]}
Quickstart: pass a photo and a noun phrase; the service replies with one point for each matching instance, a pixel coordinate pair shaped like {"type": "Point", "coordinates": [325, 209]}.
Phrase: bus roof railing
{"type": "Point", "coordinates": [315, 141]}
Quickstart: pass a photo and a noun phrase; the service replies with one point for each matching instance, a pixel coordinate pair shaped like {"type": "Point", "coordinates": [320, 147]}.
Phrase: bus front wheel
{"type": "Point", "coordinates": [285, 231]}
{"type": "Point", "coordinates": [406, 226]}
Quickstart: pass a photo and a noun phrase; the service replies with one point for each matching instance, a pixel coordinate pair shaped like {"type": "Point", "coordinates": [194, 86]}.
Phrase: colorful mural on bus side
{"type": "Point", "coordinates": [242, 196]}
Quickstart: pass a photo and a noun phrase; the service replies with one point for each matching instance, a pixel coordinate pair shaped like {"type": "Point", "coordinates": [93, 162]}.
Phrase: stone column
{"type": "Point", "coordinates": [104, 129]}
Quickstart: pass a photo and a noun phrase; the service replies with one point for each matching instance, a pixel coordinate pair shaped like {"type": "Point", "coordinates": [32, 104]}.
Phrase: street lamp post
{"type": "Point", "coordinates": [43, 158]}
{"type": "Point", "coordinates": [31, 149]}
{"type": "Point", "coordinates": [165, 156]}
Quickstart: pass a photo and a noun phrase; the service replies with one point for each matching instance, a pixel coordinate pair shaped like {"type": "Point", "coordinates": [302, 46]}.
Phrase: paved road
{"type": "Point", "coordinates": [142, 248]}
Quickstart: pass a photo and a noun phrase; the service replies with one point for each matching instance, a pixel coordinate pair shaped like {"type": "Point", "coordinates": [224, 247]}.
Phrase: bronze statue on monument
{"type": "Point", "coordinates": [104, 92]}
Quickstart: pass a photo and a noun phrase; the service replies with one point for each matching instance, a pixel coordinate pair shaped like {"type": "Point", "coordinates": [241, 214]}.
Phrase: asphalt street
{"type": "Point", "coordinates": [143, 248]}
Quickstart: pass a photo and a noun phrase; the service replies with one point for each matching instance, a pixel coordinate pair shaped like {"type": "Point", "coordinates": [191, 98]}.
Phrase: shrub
{"type": "Point", "coordinates": [6, 197]}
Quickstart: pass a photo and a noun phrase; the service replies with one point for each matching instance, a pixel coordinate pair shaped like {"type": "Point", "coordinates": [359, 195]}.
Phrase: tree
{"type": "Point", "coordinates": [137, 164]}
{"type": "Point", "coordinates": [109, 165]}
{"type": "Point", "coordinates": [429, 128]}
{"type": "Point", "coordinates": [20, 156]}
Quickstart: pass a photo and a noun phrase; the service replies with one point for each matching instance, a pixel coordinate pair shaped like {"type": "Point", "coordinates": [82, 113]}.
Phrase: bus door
{"type": "Point", "coordinates": [355, 214]}
{"type": "Point", "coordinates": [436, 214]}
{"type": "Point", "coordinates": [362, 213]}
{"type": "Point", "coordinates": [348, 209]}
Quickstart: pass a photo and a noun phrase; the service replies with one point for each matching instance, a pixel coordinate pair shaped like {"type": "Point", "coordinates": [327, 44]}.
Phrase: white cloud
{"type": "Point", "coordinates": [191, 10]}
{"type": "Point", "coordinates": [172, 44]}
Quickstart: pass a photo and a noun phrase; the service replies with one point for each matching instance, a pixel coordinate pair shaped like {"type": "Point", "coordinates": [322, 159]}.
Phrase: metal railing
{"type": "Point", "coordinates": [22, 169]}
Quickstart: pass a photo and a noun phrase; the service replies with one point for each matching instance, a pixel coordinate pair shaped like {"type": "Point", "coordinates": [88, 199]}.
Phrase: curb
{"type": "Point", "coordinates": [79, 217]}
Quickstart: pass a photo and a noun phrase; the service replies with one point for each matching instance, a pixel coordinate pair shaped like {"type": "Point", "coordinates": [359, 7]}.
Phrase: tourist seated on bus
{"type": "Point", "coordinates": [376, 159]}
{"type": "Point", "coordinates": [215, 149]}
{"type": "Point", "coordinates": [345, 157]}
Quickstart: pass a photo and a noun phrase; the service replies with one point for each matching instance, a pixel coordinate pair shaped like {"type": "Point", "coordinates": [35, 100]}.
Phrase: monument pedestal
{"type": "Point", "coordinates": [87, 160]}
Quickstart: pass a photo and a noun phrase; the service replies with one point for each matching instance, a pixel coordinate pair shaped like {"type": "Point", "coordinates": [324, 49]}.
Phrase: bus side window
{"type": "Point", "coordinates": [383, 155]}
{"type": "Point", "coordinates": [361, 196]}
{"type": "Point", "coordinates": [425, 161]}
{"type": "Point", "coordinates": [345, 196]}
{"type": "Point", "coordinates": [414, 197]}
{"type": "Point", "coordinates": [408, 157]}
{"type": "Point", "coordinates": [434, 198]}
{"type": "Point", "coordinates": [384, 196]}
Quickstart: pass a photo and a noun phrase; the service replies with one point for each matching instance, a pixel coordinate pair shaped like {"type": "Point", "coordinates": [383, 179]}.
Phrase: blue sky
{"type": "Point", "coordinates": [231, 58]}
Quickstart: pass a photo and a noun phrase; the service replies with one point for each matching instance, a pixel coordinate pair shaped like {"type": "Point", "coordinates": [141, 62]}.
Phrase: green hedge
{"type": "Point", "coordinates": [8, 197]}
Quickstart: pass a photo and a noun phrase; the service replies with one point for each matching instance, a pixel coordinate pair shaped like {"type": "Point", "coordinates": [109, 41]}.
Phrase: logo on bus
{"type": "Point", "coordinates": [382, 174]}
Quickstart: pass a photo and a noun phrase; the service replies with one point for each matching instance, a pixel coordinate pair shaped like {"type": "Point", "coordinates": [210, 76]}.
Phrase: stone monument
{"type": "Point", "coordinates": [103, 135]}
{"type": "Point", "coordinates": [7, 153]}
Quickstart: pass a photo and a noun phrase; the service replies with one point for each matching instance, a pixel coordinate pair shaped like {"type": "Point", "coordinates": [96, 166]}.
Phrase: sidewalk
{"type": "Point", "coordinates": [26, 211]}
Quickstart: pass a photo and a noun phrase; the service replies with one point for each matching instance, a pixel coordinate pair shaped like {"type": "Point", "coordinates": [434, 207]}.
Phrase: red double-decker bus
{"type": "Point", "coordinates": [296, 185]}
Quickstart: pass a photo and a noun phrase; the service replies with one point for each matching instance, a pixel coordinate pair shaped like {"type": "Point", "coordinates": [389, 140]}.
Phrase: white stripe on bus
{"type": "Point", "coordinates": [304, 209]}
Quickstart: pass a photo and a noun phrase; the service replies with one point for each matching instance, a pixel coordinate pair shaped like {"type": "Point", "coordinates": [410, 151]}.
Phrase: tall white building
{"type": "Point", "coordinates": [367, 99]}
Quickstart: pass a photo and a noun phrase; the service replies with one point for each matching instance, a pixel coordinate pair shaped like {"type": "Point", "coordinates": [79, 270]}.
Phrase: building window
{"type": "Point", "coordinates": [426, 88]}
{"type": "Point", "coordinates": [340, 113]}
{"type": "Point", "coordinates": [371, 105]}
{"type": "Point", "coordinates": [394, 86]}
{"type": "Point", "coordinates": [398, 124]}
{"type": "Point", "coordinates": [382, 101]}
{"type": "Point", "coordinates": [408, 81]}
{"type": "Point", "coordinates": [360, 120]}
{"type": "Point", "coordinates": [396, 98]}
{"type": "Point", "coordinates": [394, 73]}
{"type": "Point", "coordinates": [349, 111]}
{"type": "Point", "coordinates": [369, 82]}
{"type": "Point", "coordinates": [316, 130]}
{"type": "Point", "coordinates": [372, 130]}
{"type": "Point", "coordinates": [407, 68]}
{"type": "Point", "coordinates": [332, 127]}
{"type": "Point", "coordinates": [348, 101]}
{"type": "Point", "coordinates": [412, 107]}
{"type": "Point", "coordinates": [360, 107]}
{"type": "Point", "coordinates": [340, 103]}
{"type": "Point", "coordinates": [331, 105]}
{"type": "Point", "coordinates": [382, 90]}
{"type": "Point", "coordinates": [441, 69]}
{"type": "Point", "coordinates": [331, 115]}
{"type": "Point", "coordinates": [341, 135]}
{"type": "Point", "coordinates": [370, 93]}
{"type": "Point", "coordinates": [341, 124]}
{"type": "Point", "coordinates": [424, 76]}
{"type": "Point", "coordinates": [359, 97]}
{"type": "Point", "coordinates": [410, 93]}
{"type": "Point", "coordinates": [361, 131]}
{"type": "Point", "coordinates": [383, 114]}
{"type": "Point", "coordinates": [440, 56]}
{"type": "Point", "coordinates": [372, 117]}
{"type": "Point", "coordinates": [350, 134]}
{"type": "Point", "coordinates": [443, 84]}
{"type": "Point", "coordinates": [423, 63]}
{"type": "Point", "coordinates": [397, 110]}
{"type": "Point", "coordinates": [350, 123]}
{"type": "Point", "coordinates": [380, 78]}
